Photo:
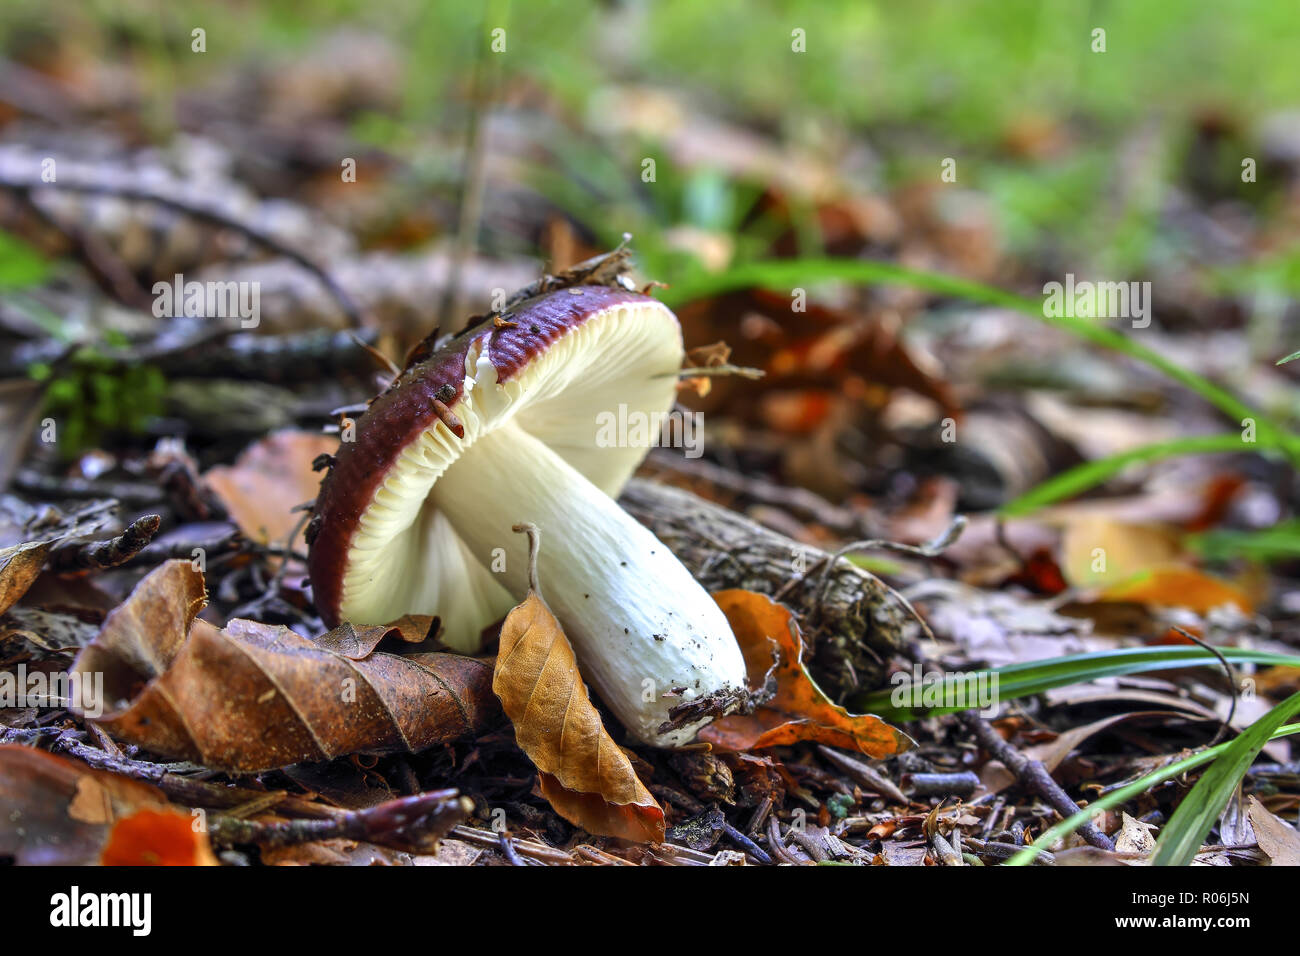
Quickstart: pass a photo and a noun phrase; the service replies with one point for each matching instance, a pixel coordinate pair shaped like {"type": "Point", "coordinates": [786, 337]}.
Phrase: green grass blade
{"type": "Point", "coordinates": [1034, 677]}
{"type": "Point", "coordinates": [21, 264]}
{"type": "Point", "coordinates": [785, 274]}
{"type": "Point", "coordinates": [1278, 543]}
{"type": "Point", "coordinates": [1128, 792]}
{"type": "Point", "coordinates": [1090, 474]}
{"type": "Point", "coordinates": [1183, 835]}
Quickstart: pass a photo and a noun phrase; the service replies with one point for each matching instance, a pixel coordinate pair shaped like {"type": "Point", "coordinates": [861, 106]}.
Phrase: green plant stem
{"type": "Point", "coordinates": [1090, 474]}
{"type": "Point", "coordinates": [1126, 793]}
{"type": "Point", "coordinates": [1182, 837]}
{"type": "Point", "coordinates": [1033, 677]}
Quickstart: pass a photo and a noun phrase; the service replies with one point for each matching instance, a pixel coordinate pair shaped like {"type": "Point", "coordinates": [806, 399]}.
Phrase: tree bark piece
{"type": "Point", "coordinates": [852, 623]}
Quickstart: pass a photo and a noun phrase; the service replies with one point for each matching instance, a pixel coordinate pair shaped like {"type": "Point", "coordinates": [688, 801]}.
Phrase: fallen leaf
{"type": "Point", "coordinates": [584, 775]}
{"type": "Point", "coordinates": [1052, 753]}
{"type": "Point", "coordinates": [1097, 551]}
{"type": "Point", "coordinates": [268, 479]}
{"type": "Point", "coordinates": [157, 838]}
{"type": "Point", "coordinates": [252, 697]}
{"type": "Point", "coordinates": [820, 348]}
{"type": "Point", "coordinates": [91, 803]}
{"type": "Point", "coordinates": [60, 812]}
{"type": "Point", "coordinates": [799, 711]}
{"type": "Point", "coordinates": [19, 567]}
{"type": "Point", "coordinates": [1179, 587]}
{"type": "Point", "coordinates": [1279, 840]}
{"type": "Point", "coordinates": [1135, 837]}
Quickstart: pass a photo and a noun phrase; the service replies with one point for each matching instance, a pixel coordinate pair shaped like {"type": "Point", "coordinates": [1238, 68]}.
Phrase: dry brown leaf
{"type": "Point", "coordinates": [799, 711]}
{"type": "Point", "coordinates": [1277, 838]}
{"type": "Point", "coordinates": [585, 776]}
{"type": "Point", "coordinates": [268, 480]}
{"type": "Point", "coordinates": [19, 567]}
{"type": "Point", "coordinates": [819, 349]}
{"type": "Point", "coordinates": [253, 697]}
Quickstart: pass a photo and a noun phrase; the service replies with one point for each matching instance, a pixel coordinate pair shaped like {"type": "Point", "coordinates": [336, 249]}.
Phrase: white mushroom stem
{"type": "Point", "coordinates": [646, 635]}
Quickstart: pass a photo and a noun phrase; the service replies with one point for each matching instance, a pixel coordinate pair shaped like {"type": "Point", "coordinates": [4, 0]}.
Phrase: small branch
{"type": "Point", "coordinates": [474, 172]}
{"type": "Point", "coordinates": [527, 848]}
{"type": "Point", "coordinates": [109, 272]}
{"type": "Point", "coordinates": [54, 488]}
{"type": "Point", "coordinates": [534, 549]}
{"type": "Point", "coordinates": [414, 823]}
{"type": "Point", "coordinates": [1032, 775]}
{"type": "Point", "coordinates": [196, 210]}
{"type": "Point", "coordinates": [102, 555]}
{"type": "Point", "coordinates": [1232, 681]}
{"type": "Point", "coordinates": [863, 775]}
{"type": "Point", "coordinates": [709, 371]}
{"type": "Point", "coordinates": [191, 792]}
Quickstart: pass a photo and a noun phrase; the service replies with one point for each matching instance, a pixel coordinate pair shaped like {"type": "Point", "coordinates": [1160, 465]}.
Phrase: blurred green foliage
{"type": "Point", "coordinates": [21, 265]}
{"type": "Point", "coordinates": [920, 80]}
{"type": "Point", "coordinates": [91, 397]}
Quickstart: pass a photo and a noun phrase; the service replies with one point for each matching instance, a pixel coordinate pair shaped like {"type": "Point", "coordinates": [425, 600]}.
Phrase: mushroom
{"type": "Point", "coordinates": [500, 425]}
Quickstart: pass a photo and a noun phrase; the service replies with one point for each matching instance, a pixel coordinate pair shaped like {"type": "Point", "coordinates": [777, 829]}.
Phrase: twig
{"type": "Point", "coordinates": [1033, 775]}
{"type": "Point", "coordinates": [810, 846]}
{"type": "Point", "coordinates": [408, 823]}
{"type": "Point", "coordinates": [929, 550]}
{"type": "Point", "coordinates": [1232, 681]}
{"type": "Point", "coordinates": [779, 849]}
{"type": "Point", "coordinates": [489, 840]}
{"type": "Point", "coordinates": [206, 214]}
{"type": "Point", "coordinates": [475, 179]}
{"type": "Point", "coordinates": [709, 371]}
{"type": "Point", "coordinates": [53, 487]}
{"type": "Point", "coordinates": [961, 784]}
{"type": "Point", "coordinates": [109, 272]}
{"type": "Point", "coordinates": [597, 855]}
{"type": "Point", "coordinates": [195, 793]}
{"type": "Point", "coordinates": [102, 555]}
{"type": "Point", "coordinates": [864, 775]}
{"type": "Point", "coordinates": [534, 548]}
{"type": "Point", "coordinates": [508, 850]}
{"type": "Point", "coordinates": [745, 843]}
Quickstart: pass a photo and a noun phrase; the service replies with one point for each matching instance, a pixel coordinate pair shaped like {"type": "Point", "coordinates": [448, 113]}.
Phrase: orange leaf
{"type": "Point", "coordinates": [799, 711]}
{"type": "Point", "coordinates": [157, 838]}
{"type": "Point", "coordinates": [268, 480]}
{"type": "Point", "coordinates": [585, 776]}
{"type": "Point", "coordinates": [1173, 586]}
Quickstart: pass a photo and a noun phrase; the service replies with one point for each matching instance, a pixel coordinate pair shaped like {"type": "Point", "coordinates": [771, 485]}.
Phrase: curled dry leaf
{"type": "Point", "coordinates": [19, 567]}
{"type": "Point", "coordinates": [1279, 840]}
{"type": "Point", "coordinates": [799, 710]}
{"type": "Point", "coordinates": [252, 697]}
{"type": "Point", "coordinates": [585, 776]}
{"type": "Point", "coordinates": [60, 812]}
